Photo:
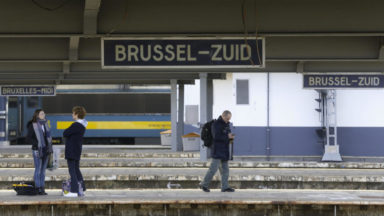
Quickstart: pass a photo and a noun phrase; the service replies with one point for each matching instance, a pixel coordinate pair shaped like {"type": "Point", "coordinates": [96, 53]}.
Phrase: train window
{"type": "Point", "coordinates": [242, 92]}
{"type": "Point", "coordinates": [12, 102]}
{"type": "Point", "coordinates": [32, 102]}
{"type": "Point", "coordinates": [109, 103]}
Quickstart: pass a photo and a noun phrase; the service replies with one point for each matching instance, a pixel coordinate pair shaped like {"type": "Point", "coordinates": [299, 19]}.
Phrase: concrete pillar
{"type": "Point", "coordinates": [180, 122]}
{"type": "Point", "coordinates": [206, 105]}
{"type": "Point", "coordinates": [174, 143]}
{"type": "Point", "coordinates": [210, 99]}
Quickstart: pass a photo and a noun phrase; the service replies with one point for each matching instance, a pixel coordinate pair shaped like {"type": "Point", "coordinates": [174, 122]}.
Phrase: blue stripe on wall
{"type": "Point", "coordinates": [303, 141]}
{"type": "Point", "coordinates": [249, 141]}
{"type": "Point", "coordinates": [361, 141]}
{"type": "Point", "coordinates": [295, 141]}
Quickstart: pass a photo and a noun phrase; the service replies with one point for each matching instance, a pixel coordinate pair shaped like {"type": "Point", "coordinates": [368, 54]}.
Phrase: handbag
{"type": "Point", "coordinates": [50, 162]}
{"type": "Point", "coordinates": [53, 160]}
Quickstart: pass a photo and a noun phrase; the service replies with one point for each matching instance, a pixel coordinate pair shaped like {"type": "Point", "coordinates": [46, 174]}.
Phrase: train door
{"type": "Point", "coordinates": [14, 117]}
{"type": "Point", "coordinates": [20, 111]}
{"type": "Point", "coordinates": [3, 118]}
{"type": "Point", "coordinates": [30, 104]}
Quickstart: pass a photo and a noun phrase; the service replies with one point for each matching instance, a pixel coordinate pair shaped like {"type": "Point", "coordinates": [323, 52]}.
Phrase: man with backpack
{"type": "Point", "coordinates": [221, 136]}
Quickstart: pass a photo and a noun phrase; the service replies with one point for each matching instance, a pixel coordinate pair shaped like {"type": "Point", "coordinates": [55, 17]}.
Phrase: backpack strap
{"type": "Point", "coordinates": [213, 128]}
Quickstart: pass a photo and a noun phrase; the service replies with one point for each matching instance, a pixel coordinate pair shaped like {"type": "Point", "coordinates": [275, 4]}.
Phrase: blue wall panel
{"type": "Point", "coordinates": [283, 141]}
{"type": "Point", "coordinates": [303, 141]}
{"type": "Point", "coordinates": [295, 141]}
{"type": "Point", "coordinates": [361, 141]}
{"type": "Point", "coordinates": [249, 141]}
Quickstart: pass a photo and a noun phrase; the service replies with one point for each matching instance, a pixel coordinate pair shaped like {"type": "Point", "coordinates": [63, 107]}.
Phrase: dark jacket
{"type": "Point", "coordinates": [32, 139]}
{"type": "Point", "coordinates": [220, 131]}
{"type": "Point", "coordinates": [74, 141]}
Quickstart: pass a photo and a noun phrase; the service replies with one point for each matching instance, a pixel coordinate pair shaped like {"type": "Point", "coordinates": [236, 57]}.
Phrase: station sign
{"type": "Point", "coordinates": [183, 52]}
{"type": "Point", "coordinates": [332, 81]}
{"type": "Point", "coordinates": [27, 90]}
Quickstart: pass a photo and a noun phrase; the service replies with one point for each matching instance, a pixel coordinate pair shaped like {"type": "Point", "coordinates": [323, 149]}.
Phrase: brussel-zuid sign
{"type": "Point", "coordinates": [183, 52]}
{"type": "Point", "coordinates": [27, 91]}
{"type": "Point", "coordinates": [334, 81]}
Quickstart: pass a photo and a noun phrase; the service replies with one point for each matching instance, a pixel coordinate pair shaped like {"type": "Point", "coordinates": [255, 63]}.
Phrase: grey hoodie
{"type": "Point", "coordinates": [83, 122]}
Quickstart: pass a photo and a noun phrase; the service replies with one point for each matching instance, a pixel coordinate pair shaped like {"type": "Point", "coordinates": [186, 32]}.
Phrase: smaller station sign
{"type": "Point", "coordinates": [332, 81]}
{"type": "Point", "coordinates": [27, 90]}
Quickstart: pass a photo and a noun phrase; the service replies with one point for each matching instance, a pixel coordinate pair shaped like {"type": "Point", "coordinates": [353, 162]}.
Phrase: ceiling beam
{"type": "Point", "coordinates": [303, 59]}
{"type": "Point", "coordinates": [80, 81]}
{"type": "Point", "coordinates": [73, 55]}
{"type": "Point", "coordinates": [218, 34]}
{"type": "Point", "coordinates": [91, 11]}
{"type": "Point", "coordinates": [107, 76]}
{"type": "Point", "coordinates": [74, 48]}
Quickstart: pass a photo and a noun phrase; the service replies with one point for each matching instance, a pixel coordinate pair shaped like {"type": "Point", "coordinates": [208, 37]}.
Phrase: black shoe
{"type": "Point", "coordinates": [205, 189]}
{"type": "Point", "coordinates": [42, 191]}
{"type": "Point", "coordinates": [228, 190]}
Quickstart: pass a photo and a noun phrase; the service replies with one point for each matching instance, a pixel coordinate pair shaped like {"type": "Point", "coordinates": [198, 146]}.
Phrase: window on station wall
{"type": "Point", "coordinates": [192, 114]}
{"type": "Point", "coordinates": [242, 92]}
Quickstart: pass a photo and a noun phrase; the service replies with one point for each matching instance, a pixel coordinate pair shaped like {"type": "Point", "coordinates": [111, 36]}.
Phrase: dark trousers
{"type": "Point", "coordinates": [76, 176]}
{"type": "Point", "coordinates": [216, 164]}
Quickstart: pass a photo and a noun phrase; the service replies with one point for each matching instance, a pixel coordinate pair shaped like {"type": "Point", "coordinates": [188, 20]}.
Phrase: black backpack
{"type": "Point", "coordinates": [206, 133]}
{"type": "Point", "coordinates": [25, 188]}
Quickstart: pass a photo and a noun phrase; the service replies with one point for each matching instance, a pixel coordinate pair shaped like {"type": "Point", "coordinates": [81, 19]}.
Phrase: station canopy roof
{"type": "Point", "coordinates": [59, 42]}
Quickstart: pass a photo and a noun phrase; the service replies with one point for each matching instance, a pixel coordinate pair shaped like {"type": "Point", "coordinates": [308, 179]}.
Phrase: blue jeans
{"type": "Point", "coordinates": [216, 164]}
{"type": "Point", "coordinates": [40, 167]}
{"type": "Point", "coordinates": [76, 176]}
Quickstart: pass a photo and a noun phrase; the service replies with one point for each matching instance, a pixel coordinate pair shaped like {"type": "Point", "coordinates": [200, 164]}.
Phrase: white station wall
{"type": "Point", "coordinates": [192, 94]}
{"type": "Point", "coordinates": [290, 104]}
{"type": "Point", "coordinates": [253, 114]}
{"type": "Point", "coordinates": [192, 97]}
{"type": "Point", "coordinates": [223, 96]}
{"type": "Point", "coordinates": [360, 108]}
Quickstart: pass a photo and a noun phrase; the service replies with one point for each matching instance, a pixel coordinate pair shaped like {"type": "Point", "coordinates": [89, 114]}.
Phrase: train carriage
{"type": "Point", "coordinates": [114, 117]}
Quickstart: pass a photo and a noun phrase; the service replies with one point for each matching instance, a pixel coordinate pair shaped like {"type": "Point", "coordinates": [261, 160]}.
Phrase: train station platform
{"type": "Point", "coordinates": [195, 202]}
{"type": "Point", "coordinates": [121, 168]}
{"type": "Point", "coordinates": [133, 180]}
{"type": "Point", "coordinates": [189, 177]}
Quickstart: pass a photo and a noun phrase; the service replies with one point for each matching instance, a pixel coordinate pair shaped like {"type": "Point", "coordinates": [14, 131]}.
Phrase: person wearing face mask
{"type": "Point", "coordinates": [73, 147]}
{"type": "Point", "coordinates": [222, 136]}
{"type": "Point", "coordinates": [39, 137]}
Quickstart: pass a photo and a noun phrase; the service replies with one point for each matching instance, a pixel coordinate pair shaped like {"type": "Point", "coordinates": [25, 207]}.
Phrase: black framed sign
{"type": "Point", "coordinates": [331, 81]}
{"type": "Point", "coordinates": [183, 52]}
{"type": "Point", "coordinates": [27, 90]}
